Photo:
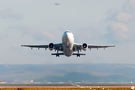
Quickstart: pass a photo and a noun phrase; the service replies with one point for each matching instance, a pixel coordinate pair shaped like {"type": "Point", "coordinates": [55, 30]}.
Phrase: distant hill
{"type": "Point", "coordinates": [69, 72]}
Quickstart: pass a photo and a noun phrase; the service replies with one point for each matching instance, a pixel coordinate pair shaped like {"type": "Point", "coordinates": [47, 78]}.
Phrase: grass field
{"type": "Point", "coordinates": [55, 88]}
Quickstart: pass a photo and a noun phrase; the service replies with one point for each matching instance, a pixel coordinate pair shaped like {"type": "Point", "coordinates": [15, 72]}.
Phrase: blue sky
{"type": "Point", "coordinates": [102, 22]}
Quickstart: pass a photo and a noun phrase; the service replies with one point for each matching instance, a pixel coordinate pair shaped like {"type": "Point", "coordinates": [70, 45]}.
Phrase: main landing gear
{"type": "Point", "coordinates": [78, 55]}
{"type": "Point", "coordinates": [57, 55]}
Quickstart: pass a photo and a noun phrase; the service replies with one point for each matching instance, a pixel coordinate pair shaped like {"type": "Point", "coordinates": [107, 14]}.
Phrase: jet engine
{"type": "Point", "coordinates": [84, 46]}
{"type": "Point", "coordinates": [51, 46]}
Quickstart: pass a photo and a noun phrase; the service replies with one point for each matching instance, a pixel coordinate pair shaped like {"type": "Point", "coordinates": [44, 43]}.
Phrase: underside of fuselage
{"type": "Point", "coordinates": [67, 52]}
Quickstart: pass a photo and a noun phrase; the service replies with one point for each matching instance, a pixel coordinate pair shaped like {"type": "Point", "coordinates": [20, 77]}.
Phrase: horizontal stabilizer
{"type": "Point", "coordinates": [57, 54]}
{"type": "Point", "coordinates": [79, 54]}
{"type": "Point", "coordinates": [72, 54]}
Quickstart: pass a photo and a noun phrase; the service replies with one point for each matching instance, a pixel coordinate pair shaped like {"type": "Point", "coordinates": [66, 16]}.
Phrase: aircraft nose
{"type": "Point", "coordinates": [67, 35]}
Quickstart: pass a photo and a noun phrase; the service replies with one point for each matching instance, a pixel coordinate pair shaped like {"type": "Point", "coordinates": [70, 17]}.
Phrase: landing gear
{"type": "Point", "coordinates": [57, 55]}
{"type": "Point", "coordinates": [78, 55]}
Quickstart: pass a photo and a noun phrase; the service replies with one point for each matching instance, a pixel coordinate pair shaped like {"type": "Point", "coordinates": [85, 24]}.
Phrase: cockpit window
{"type": "Point", "coordinates": [67, 32]}
{"type": "Point", "coordinates": [64, 33]}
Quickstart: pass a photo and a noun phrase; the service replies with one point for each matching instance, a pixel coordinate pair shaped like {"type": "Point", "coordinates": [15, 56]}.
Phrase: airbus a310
{"type": "Point", "coordinates": [68, 47]}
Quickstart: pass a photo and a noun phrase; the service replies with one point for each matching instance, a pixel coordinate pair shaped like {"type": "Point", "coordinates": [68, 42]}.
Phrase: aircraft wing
{"type": "Point", "coordinates": [35, 46]}
{"type": "Point", "coordinates": [56, 46]}
{"type": "Point", "coordinates": [79, 46]}
{"type": "Point", "coordinates": [100, 46]}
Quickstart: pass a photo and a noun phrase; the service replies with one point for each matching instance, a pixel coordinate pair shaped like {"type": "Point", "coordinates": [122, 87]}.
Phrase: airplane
{"type": "Point", "coordinates": [68, 47]}
{"type": "Point", "coordinates": [57, 3]}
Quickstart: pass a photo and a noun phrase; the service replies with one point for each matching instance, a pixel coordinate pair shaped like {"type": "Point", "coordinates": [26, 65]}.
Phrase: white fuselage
{"type": "Point", "coordinates": [68, 42]}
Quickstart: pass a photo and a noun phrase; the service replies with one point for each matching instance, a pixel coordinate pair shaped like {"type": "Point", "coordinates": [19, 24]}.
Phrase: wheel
{"type": "Point", "coordinates": [78, 55]}
{"type": "Point", "coordinates": [57, 55]}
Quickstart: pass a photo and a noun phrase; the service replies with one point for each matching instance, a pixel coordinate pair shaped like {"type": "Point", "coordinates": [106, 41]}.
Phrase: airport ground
{"type": "Point", "coordinates": [68, 86]}
{"type": "Point", "coordinates": [65, 88]}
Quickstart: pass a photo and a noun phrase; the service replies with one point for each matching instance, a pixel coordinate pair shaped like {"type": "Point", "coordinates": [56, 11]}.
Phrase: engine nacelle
{"type": "Point", "coordinates": [51, 46]}
{"type": "Point", "coordinates": [84, 46]}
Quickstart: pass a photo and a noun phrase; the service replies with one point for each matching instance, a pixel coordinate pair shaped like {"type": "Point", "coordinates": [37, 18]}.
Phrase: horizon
{"type": "Point", "coordinates": [68, 72]}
